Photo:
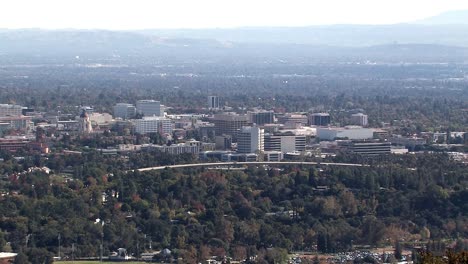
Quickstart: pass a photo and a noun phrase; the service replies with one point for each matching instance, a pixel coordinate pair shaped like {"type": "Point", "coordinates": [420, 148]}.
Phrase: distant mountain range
{"type": "Point", "coordinates": [449, 28]}
{"type": "Point", "coordinates": [139, 47]}
{"type": "Point", "coordinates": [443, 36]}
{"type": "Point", "coordinates": [335, 35]}
{"type": "Point", "coordinates": [458, 17]}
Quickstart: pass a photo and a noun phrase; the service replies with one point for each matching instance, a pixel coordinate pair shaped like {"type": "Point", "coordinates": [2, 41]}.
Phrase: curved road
{"type": "Point", "coordinates": [250, 163]}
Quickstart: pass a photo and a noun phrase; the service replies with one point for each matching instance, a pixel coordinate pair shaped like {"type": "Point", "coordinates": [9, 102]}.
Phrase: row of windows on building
{"type": "Point", "coordinates": [143, 107]}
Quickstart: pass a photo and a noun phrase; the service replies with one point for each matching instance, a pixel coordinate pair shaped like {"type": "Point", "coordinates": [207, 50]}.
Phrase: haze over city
{"type": "Point", "coordinates": [145, 14]}
{"type": "Point", "coordinates": [241, 132]}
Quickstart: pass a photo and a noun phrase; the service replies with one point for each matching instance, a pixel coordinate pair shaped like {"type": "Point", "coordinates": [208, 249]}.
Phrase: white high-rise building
{"type": "Point", "coordinates": [153, 124]}
{"type": "Point", "coordinates": [213, 102]}
{"type": "Point", "coordinates": [285, 143]}
{"type": "Point", "coordinates": [124, 111]}
{"type": "Point", "coordinates": [149, 107]}
{"type": "Point", "coordinates": [359, 119]}
{"type": "Point", "coordinates": [250, 140]}
{"type": "Point", "coordinates": [10, 110]}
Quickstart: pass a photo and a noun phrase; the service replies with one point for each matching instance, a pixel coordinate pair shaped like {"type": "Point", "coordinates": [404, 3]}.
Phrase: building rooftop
{"type": "Point", "coordinates": [343, 128]}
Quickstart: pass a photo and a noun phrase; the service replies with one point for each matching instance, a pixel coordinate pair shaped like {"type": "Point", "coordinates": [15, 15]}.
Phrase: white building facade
{"type": "Point", "coordinates": [11, 110]}
{"type": "Point", "coordinates": [285, 143]}
{"type": "Point", "coordinates": [359, 119]}
{"type": "Point", "coordinates": [153, 125]}
{"type": "Point", "coordinates": [250, 140]}
{"type": "Point", "coordinates": [349, 132]}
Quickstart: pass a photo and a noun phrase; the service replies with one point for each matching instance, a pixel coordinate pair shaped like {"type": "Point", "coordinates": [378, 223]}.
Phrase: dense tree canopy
{"type": "Point", "coordinates": [200, 212]}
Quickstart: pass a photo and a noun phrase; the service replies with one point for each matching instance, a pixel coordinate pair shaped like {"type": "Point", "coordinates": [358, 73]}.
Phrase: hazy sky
{"type": "Point", "coordinates": [138, 14]}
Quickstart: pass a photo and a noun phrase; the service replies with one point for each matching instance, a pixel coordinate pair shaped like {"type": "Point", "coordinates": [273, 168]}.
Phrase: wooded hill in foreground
{"type": "Point", "coordinates": [199, 213]}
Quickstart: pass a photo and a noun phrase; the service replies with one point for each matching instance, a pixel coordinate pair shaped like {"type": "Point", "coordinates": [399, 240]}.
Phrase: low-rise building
{"type": "Point", "coordinates": [319, 119]}
{"type": "Point", "coordinates": [153, 124]}
{"type": "Point", "coordinates": [10, 110]}
{"type": "Point", "coordinates": [369, 148]}
{"type": "Point", "coordinates": [216, 155]}
{"type": "Point", "coordinates": [293, 119]}
{"type": "Point", "coordinates": [261, 118]}
{"type": "Point", "coordinates": [129, 147]}
{"type": "Point", "coordinates": [359, 119]}
{"type": "Point", "coordinates": [272, 155]}
{"type": "Point", "coordinates": [17, 122]}
{"type": "Point", "coordinates": [348, 132]}
{"type": "Point", "coordinates": [191, 147]}
{"type": "Point", "coordinates": [381, 134]}
{"type": "Point", "coordinates": [409, 142]}
{"type": "Point", "coordinates": [227, 156]}
{"type": "Point", "coordinates": [100, 118]}
{"type": "Point", "coordinates": [241, 157]}
{"type": "Point", "coordinates": [13, 144]}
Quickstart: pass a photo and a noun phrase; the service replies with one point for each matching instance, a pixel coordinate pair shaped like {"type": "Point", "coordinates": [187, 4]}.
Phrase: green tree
{"type": "Point", "coordinates": [398, 251]}
{"type": "Point", "coordinates": [277, 255]}
{"type": "Point", "coordinates": [2, 241]}
{"type": "Point", "coordinates": [21, 258]}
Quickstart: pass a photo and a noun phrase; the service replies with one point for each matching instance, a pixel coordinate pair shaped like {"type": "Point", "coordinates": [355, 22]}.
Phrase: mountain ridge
{"type": "Point", "coordinates": [105, 44]}
{"type": "Point", "coordinates": [395, 48]}
{"type": "Point", "coordinates": [454, 17]}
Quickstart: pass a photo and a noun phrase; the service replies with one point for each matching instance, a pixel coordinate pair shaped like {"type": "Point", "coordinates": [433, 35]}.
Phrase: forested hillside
{"type": "Point", "coordinates": [198, 213]}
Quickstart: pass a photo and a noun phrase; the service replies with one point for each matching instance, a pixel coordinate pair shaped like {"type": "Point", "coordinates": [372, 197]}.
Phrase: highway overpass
{"type": "Point", "coordinates": [275, 163]}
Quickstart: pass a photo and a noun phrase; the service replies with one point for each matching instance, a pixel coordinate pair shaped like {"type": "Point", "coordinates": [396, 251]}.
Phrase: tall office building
{"type": "Point", "coordinates": [10, 110]}
{"type": "Point", "coordinates": [319, 119]}
{"type": "Point", "coordinates": [359, 119]}
{"type": "Point", "coordinates": [149, 107]}
{"type": "Point", "coordinates": [229, 123]}
{"type": "Point", "coordinates": [124, 111]}
{"type": "Point", "coordinates": [262, 118]}
{"type": "Point", "coordinates": [213, 102]}
{"type": "Point", "coordinates": [250, 140]}
{"type": "Point", "coordinates": [285, 143]}
{"type": "Point", "coordinates": [153, 124]}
